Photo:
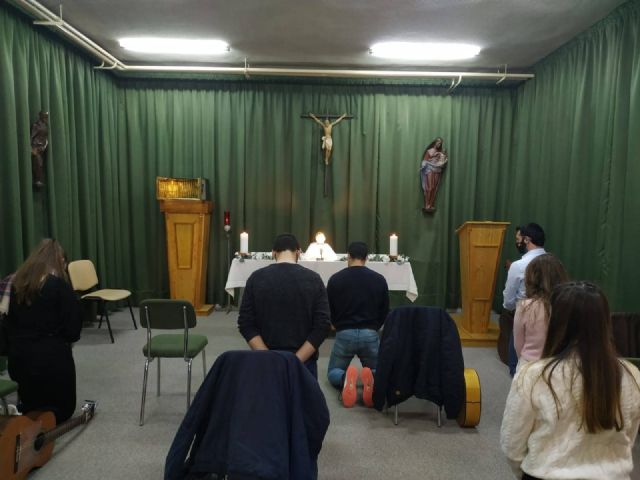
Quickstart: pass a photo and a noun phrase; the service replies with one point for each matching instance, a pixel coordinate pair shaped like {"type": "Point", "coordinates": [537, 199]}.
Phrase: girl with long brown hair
{"type": "Point", "coordinates": [532, 313]}
{"type": "Point", "coordinates": [43, 320]}
{"type": "Point", "coordinates": [575, 413]}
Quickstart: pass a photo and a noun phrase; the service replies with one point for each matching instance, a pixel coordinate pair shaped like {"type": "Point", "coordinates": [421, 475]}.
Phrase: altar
{"type": "Point", "coordinates": [399, 276]}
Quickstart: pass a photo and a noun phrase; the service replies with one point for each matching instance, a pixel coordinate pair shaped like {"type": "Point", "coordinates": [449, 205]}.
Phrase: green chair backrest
{"type": "Point", "coordinates": [167, 314]}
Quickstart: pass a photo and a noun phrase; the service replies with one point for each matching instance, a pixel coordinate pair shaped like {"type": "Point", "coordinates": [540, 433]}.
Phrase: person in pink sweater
{"type": "Point", "coordinates": [532, 313]}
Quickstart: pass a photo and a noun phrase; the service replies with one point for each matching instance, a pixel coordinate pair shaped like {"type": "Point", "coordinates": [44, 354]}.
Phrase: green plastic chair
{"type": "Point", "coordinates": [170, 315]}
{"type": "Point", "coordinates": [7, 387]}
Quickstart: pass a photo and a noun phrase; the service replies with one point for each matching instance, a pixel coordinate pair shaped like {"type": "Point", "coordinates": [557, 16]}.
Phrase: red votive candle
{"type": "Point", "coordinates": [227, 217]}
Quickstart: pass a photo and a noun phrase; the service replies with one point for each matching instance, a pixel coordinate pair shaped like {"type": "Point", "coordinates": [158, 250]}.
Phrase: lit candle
{"type": "Point", "coordinates": [227, 217]}
{"type": "Point", "coordinates": [244, 242]}
{"type": "Point", "coordinates": [393, 245]}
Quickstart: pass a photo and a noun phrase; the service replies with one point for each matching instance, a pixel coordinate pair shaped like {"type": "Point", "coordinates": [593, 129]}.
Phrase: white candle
{"type": "Point", "coordinates": [244, 242]}
{"type": "Point", "coordinates": [393, 245]}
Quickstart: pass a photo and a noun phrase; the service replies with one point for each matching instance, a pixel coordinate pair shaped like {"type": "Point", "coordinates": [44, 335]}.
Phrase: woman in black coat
{"type": "Point", "coordinates": [44, 318]}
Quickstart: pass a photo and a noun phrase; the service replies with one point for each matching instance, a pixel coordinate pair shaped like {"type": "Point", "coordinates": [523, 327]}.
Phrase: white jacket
{"type": "Point", "coordinates": [538, 441]}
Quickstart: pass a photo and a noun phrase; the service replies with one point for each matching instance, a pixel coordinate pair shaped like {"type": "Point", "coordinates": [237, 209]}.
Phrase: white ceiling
{"type": "Point", "coordinates": [338, 33]}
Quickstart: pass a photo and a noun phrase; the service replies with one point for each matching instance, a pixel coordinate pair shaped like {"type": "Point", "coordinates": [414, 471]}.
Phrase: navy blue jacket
{"type": "Point", "coordinates": [420, 354]}
{"type": "Point", "coordinates": [258, 414]}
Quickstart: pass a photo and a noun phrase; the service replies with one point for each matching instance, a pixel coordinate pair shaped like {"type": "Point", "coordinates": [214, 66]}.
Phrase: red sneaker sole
{"type": "Point", "coordinates": [349, 390]}
{"type": "Point", "coordinates": [367, 386]}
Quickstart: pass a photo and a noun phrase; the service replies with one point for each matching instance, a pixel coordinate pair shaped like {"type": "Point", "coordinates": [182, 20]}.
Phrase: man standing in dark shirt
{"type": "Point", "coordinates": [285, 307]}
{"type": "Point", "coordinates": [359, 301]}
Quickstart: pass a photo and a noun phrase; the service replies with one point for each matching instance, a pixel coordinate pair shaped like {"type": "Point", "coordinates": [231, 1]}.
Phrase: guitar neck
{"type": "Point", "coordinates": [61, 429]}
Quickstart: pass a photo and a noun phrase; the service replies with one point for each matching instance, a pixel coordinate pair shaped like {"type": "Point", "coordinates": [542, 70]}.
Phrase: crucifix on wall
{"type": "Point", "coordinates": [327, 140]}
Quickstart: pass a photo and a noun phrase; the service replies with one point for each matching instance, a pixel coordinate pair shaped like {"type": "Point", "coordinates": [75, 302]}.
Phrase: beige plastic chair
{"type": "Point", "coordinates": [84, 278]}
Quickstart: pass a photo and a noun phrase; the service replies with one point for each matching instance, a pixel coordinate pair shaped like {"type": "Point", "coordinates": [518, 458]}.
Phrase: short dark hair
{"type": "Point", "coordinates": [286, 241]}
{"type": "Point", "coordinates": [358, 250]}
{"type": "Point", "coordinates": [534, 232]}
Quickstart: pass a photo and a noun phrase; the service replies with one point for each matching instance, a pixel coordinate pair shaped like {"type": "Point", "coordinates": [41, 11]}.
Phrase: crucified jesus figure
{"type": "Point", "coordinates": [327, 141]}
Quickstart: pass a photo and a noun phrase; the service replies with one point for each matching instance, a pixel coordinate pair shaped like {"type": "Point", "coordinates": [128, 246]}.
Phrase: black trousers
{"type": "Point", "coordinates": [46, 377]}
{"type": "Point", "coordinates": [506, 329]}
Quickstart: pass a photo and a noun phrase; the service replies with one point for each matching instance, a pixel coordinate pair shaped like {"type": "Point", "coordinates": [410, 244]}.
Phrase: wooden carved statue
{"type": "Point", "coordinates": [327, 141]}
{"type": "Point", "coordinates": [433, 163]}
{"type": "Point", "coordinates": [39, 144]}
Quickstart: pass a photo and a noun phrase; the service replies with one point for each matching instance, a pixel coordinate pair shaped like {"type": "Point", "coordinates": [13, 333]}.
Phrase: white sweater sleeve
{"type": "Point", "coordinates": [518, 421]}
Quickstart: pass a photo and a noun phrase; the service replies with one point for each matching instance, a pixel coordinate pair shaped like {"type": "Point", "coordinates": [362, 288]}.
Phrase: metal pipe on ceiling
{"type": "Point", "coordinates": [40, 12]}
{"type": "Point", "coordinates": [333, 73]}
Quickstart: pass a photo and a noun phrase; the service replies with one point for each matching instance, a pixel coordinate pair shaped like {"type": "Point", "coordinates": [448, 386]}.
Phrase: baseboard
{"type": "Point", "coordinates": [468, 339]}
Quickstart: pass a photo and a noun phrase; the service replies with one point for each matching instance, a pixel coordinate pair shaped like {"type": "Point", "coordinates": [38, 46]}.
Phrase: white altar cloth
{"type": "Point", "coordinates": [398, 277]}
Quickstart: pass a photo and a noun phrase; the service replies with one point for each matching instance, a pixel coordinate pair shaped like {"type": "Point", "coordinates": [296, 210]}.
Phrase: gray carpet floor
{"type": "Point", "coordinates": [361, 443]}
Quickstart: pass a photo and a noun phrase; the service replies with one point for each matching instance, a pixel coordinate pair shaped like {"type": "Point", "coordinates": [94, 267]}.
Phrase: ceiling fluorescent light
{"type": "Point", "coordinates": [180, 46]}
{"type": "Point", "coordinates": [424, 51]}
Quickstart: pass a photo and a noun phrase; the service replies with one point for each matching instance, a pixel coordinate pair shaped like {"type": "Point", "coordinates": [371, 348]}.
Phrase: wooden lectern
{"type": "Point", "coordinates": [187, 223]}
{"type": "Point", "coordinates": [480, 248]}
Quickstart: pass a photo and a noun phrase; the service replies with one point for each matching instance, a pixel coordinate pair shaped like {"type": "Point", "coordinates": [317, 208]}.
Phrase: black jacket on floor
{"type": "Point", "coordinates": [258, 415]}
{"type": "Point", "coordinates": [420, 354]}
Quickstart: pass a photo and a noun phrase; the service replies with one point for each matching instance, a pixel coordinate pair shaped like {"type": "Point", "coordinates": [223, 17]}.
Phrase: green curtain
{"type": "Point", "coordinates": [264, 164]}
{"type": "Point", "coordinates": [79, 204]}
{"type": "Point", "coordinates": [558, 150]}
{"type": "Point", "coordinates": [577, 155]}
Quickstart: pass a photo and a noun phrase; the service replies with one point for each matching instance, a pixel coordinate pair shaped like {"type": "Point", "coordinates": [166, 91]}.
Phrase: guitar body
{"type": "Point", "coordinates": [18, 434]}
{"type": "Point", "coordinates": [469, 415]}
{"type": "Point", "coordinates": [26, 441]}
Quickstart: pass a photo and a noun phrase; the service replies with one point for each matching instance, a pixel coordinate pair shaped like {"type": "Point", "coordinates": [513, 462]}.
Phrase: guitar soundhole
{"type": "Point", "coordinates": [39, 442]}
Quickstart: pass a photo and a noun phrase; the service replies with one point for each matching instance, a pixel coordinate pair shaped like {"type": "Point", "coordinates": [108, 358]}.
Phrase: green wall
{"type": "Point", "coordinates": [557, 151]}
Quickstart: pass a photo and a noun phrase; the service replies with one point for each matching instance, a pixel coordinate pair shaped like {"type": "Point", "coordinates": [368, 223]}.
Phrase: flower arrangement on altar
{"type": "Point", "coordinates": [376, 257]}
{"type": "Point", "coordinates": [253, 256]}
{"type": "Point", "coordinates": [373, 257]}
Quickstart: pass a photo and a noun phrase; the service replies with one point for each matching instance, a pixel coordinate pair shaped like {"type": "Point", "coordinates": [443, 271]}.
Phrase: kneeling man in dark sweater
{"type": "Point", "coordinates": [359, 301]}
{"type": "Point", "coordinates": [285, 307]}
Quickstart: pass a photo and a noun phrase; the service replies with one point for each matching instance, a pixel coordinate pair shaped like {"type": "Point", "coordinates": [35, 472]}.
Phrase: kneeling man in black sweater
{"type": "Point", "coordinates": [359, 302]}
{"type": "Point", "coordinates": [285, 306]}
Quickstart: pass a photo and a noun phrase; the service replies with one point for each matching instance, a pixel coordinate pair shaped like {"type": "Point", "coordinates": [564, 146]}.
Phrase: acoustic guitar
{"type": "Point", "coordinates": [469, 415]}
{"type": "Point", "coordinates": [26, 441]}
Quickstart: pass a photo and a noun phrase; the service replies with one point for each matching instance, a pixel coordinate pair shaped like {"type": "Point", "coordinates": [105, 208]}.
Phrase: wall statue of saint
{"type": "Point", "coordinates": [39, 144]}
{"type": "Point", "coordinates": [433, 163]}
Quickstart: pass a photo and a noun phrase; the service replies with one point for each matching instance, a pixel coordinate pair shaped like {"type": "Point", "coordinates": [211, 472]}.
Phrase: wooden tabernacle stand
{"type": "Point", "coordinates": [480, 248]}
{"type": "Point", "coordinates": [187, 223]}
